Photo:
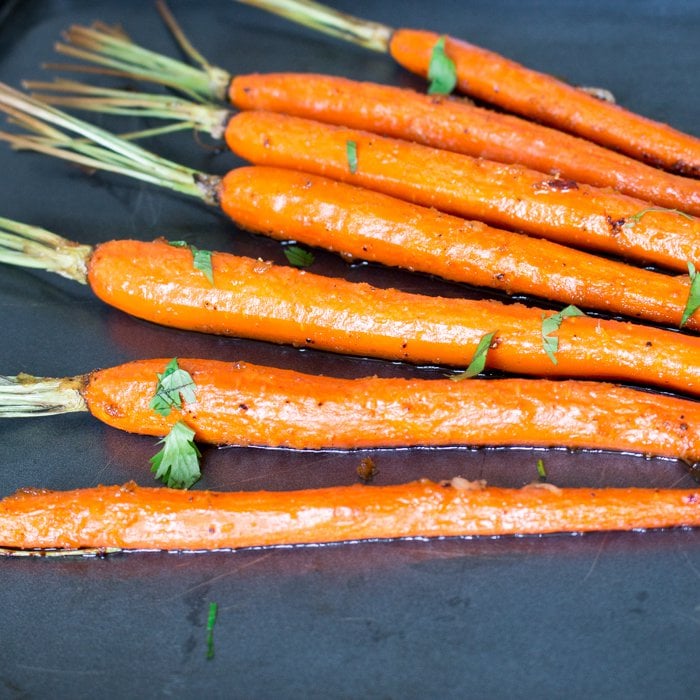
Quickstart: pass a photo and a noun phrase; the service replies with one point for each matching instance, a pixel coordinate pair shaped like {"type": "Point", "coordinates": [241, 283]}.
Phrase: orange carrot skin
{"type": "Point", "coordinates": [452, 124]}
{"type": "Point", "coordinates": [256, 299]}
{"type": "Point", "coordinates": [493, 78]}
{"type": "Point", "coordinates": [509, 196]}
{"type": "Point", "coordinates": [133, 517]}
{"type": "Point", "coordinates": [360, 223]}
{"type": "Point", "coordinates": [244, 404]}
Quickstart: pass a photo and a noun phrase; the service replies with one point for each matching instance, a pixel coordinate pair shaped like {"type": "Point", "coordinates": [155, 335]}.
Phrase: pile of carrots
{"type": "Point", "coordinates": [387, 175]}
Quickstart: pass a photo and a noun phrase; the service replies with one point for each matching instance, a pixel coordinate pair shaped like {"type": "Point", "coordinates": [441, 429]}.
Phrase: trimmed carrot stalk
{"type": "Point", "coordinates": [134, 517]}
{"type": "Point", "coordinates": [362, 223]}
{"type": "Point", "coordinates": [444, 122]}
{"type": "Point", "coordinates": [510, 85]}
{"type": "Point", "coordinates": [503, 195]}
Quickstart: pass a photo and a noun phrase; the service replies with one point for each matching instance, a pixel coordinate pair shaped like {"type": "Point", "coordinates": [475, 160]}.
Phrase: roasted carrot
{"type": "Point", "coordinates": [237, 403]}
{"type": "Point", "coordinates": [134, 517]}
{"type": "Point", "coordinates": [433, 120]}
{"type": "Point", "coordinates": [256, 299]}
{"type": "Point", "coordinates": [503, 195]}
{"type": "Point", "coordinates": [365, 224]}
{"type": "Point", "coordinates": [510, 85]}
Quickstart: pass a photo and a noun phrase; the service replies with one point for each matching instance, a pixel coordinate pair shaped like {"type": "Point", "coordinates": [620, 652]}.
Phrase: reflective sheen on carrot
{"type": "Point", "coordinates": [134, 517]}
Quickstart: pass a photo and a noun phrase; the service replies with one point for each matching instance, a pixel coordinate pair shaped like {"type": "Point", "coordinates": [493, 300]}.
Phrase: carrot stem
{"type": "Point", "coordinates": [370, 35]}
{"type": "Point", "coordinates": [24, 396]}
{"type": "Point", "coordinates": [134, 517]}
{"type": "Point", "coordinates": [102, 150]}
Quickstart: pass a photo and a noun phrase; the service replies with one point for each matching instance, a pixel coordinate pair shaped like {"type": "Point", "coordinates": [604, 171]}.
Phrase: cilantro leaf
{"type": "Point", "coordinates": [211, 621]}
{"type": "Point", "coordinates": [542, 472]}
{"type": "Point", "coordinates": [202, 262]}
{"type": "Point", "coordinates": [551, 324]}
{"type": "Point", "coordinates": [298, 256]}
{"type": "Point", "coordinates": [177, 463]}
{"type": "Point", "coordinates": [442, 71]}
{"type": "Point", "coordinates": [351, 151]}
{"type": "Point", "coordinates": [174, 385]}
{"type": "Point", "coordinates": [693, 303]}
{"type": "Point", "coordinates": [476, 366]}
{"type": "Point", "coordinates": [201, 259]}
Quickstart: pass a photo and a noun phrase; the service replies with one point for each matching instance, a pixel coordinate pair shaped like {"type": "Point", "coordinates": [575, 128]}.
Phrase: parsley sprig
{"type": "Point", "coordinates": [201, 259]}
{"type": "Point", "coordinates": [693, 302]}
{"type": "Point", "coordinates": [476, 366]}
{"type": "Point", "coordinates": [298, 257]}
{"type": "Point", "coordinates": [551, 324]}
{"type": "Point", "coordinates": [442, 71]}
{"type": "Point", "coordinates": [174, 385]}
{"type": "Point", "coordinates": [177, 463]}
{"type": "Point", "coordinates": [351, 152]}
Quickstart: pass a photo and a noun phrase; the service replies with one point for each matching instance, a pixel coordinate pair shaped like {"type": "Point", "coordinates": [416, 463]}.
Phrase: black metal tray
{"type": "Point", "coordinates": [610, 615]}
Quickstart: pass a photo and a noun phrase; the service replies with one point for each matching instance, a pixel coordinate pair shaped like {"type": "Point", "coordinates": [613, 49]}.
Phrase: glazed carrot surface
{"type": "Point", "coordinates": [133, 517]}
{"type": "Point", "coordinates": [509, 196]}
{"type": "Point", "coordinates": [245, 404]}
{"type": "Point", "coordinates": [256, 299]}
{"type": "Point", "coordinates": [493, 78]}
{"type": "Point", "coordinates": [456, 125]}
{"type": "Point", "coordinates": [367, 225]}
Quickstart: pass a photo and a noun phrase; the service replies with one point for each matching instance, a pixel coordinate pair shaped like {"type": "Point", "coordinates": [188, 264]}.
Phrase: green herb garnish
{"type": "Point", "coordinates": [442, 71]}
{"type": "Point", "coordinates": [541, 470]}
{"type": "Point", "coordinates": [476, 366]}
{"type": "Point", "coordinates": [298, 256]}
{"type": "Point", "coordinates": [211, 621]}
{"type": "Point", "coordinates": [174, 385]}
{"type": "Point", "coordinates": [351, 151]}
{"type": "Point", "coordinates": [693, 303]}
{"type": "Point", "coordinates": [177, 463]}
{"type": "Point", "coordinates": [551, 324]}
{"type": "Point", "coordinates": [201, 259]}
{"type": "Point", "coordinates": [632, 220]}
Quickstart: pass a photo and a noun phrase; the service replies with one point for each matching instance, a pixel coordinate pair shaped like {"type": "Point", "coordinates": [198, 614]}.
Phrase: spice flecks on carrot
{"type": "Point", "coordinates": [132, 517]}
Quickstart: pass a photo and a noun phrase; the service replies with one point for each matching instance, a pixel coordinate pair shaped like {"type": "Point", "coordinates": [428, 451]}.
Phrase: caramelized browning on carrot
{"type": "Point", "coordinates": [245, 404]}
{"type": "Point", "coordinates": [505, 195]}
{"type": "Point", "coordinates": [360, 223]}
{"type": "Point", "coordinates": [256, 299]}
{"type": "Point", "coordinates": [455, 125]}
{"type": "Point", "coordinates": [133, 517]}
{"type": "Point", "coordinates": [493, 78]}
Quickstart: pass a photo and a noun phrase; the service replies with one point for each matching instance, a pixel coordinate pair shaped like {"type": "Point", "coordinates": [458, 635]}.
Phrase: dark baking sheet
{"type": "Point", "coordinates": [610, 615]}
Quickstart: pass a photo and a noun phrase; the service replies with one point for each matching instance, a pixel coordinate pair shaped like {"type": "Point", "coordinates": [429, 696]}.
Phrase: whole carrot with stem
{"type": "Point", "coordinates": [503, 195]}
{"type": "Point", "coordinates": [433, 120]}
{"type": "Point", "coordinates": [238, 403]}
{"type": "Point", "coordinates": [134, 517]}
{"type": "Point", "coordinates": [256, 299]}
{"type": "Point", "coordinates": [493, 78]}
